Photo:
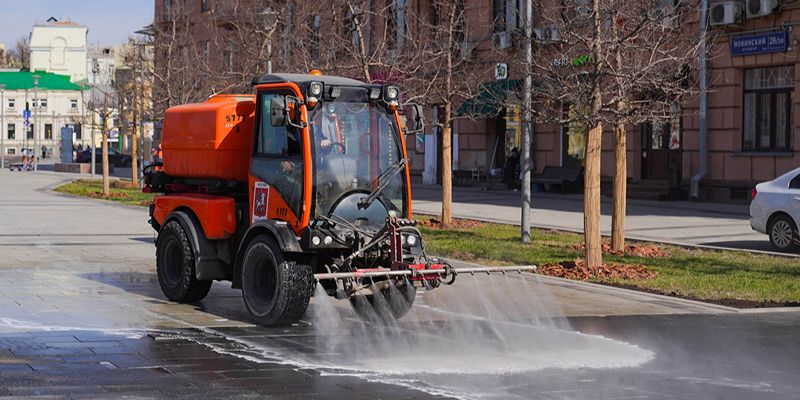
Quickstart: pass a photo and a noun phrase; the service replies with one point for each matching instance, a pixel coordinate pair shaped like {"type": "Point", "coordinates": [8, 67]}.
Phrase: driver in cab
{"type": "Point", "coordinates": [326, 130]}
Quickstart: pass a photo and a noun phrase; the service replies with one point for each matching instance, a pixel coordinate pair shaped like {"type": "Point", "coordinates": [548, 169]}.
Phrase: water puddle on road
{"type": "Point", "coordinates": [474, 340]}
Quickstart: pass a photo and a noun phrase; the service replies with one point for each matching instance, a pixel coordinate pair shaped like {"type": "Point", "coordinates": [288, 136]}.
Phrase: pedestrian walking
{"type": "Point", "coordinates": [511, 169]}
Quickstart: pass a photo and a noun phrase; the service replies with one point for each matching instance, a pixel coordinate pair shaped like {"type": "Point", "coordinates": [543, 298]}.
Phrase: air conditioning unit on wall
{"type": "Point", "coordinates": [726, 13]}
{"type": "Point", "coordinates": [761, 8]}
{"type": "Point", "coordinates": [546, 34]}
{"type": "Point", "coordinates": [501, 40]}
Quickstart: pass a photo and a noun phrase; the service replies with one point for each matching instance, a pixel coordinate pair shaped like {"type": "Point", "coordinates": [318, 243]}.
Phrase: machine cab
{"type": "Point", "coordinates": [328, 151]}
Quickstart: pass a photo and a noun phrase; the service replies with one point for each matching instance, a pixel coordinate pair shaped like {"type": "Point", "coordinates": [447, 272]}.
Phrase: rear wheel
{"type": "Point", "coordinates": [392, 303]}
{"type": "Point", "coordinates": [783, 233]}
{"type": "Point", "coordinates": [276, 291]}
{"type": "Point", "coordinates": [175, 265]}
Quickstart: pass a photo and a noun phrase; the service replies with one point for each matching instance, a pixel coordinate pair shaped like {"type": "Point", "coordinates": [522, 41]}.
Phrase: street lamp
{"type": "Point", "coordinates": [2, 125]}
{"type": "Point", "coordinates": [95, 71]}
{"type": "Point", "coordinates": [37, 103]}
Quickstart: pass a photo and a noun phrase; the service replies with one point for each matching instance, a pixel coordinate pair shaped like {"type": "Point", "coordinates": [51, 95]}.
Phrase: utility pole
{"type": "Point", "coordinates": [36, 104]}
{"type": "Point", "coordinates": [2, 126]}
{"type": "Point", "coordinates": [95, 70]}
{"type": "Point", "coordinates": [526, 135]}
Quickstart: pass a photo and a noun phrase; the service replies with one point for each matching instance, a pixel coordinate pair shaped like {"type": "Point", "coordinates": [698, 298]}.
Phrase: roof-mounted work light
{"type": "Point", "coordinates": [391, 95]}
{"type": "Point", "coordinates": [314, 93]}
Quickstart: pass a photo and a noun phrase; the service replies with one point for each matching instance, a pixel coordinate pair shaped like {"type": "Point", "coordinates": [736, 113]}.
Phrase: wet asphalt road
{"type": "Point", "coordinates": [81, 316]}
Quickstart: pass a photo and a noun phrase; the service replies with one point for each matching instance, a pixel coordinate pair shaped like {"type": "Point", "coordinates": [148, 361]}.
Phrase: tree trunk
{"type": "Point", "coordinates": [135, 155]}
{"type": "Point", "coordinates": [106, 184]}
{"type": "Point", "coordinates": [447, 165]}
{"type": "Point", "coordinates": [591, 198]}
{"type": "Point", "coordinates": [591, 188]}
{"type": "Point", "coordinates": [104, 147]}
{"type": "Point", "coordinates": [620, 188]}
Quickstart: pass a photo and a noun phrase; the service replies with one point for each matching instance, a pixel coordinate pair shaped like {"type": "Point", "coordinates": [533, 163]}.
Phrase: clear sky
{"type": "Point", "coordinates": [109, 21]}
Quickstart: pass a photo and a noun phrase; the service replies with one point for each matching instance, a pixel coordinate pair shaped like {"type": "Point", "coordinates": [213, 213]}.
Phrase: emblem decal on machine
{"type": "Point", "coordinates": [260, 201]}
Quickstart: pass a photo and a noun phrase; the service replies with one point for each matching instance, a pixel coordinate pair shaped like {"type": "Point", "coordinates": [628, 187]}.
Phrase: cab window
{"type": "Point", "coordinates": [276, 140]}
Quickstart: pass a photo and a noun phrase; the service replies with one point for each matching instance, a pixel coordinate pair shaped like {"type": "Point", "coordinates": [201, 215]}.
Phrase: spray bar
{"type": "Point", "coordinates": [414, 272]}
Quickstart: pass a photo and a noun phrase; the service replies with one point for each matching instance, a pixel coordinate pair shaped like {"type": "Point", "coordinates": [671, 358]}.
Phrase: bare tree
{"type": "Point", "coordinates": [101, 105]}
{"type": "Point", "coordinates": [19, 55]}
{"type": "Point", "coordinates": [448, 74]}
{"type": "Point", "coordinates": [608, 66]}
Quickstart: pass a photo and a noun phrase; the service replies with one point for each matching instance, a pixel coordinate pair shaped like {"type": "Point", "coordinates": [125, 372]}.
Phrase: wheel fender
{"type": "Point", "coordinates": [208, 265]}
{"type": "Point", "coordinates": [279, 230]}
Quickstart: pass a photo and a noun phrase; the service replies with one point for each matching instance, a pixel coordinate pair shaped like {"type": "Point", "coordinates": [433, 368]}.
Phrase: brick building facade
{"type": "Point", "coordinates": [752, 131]}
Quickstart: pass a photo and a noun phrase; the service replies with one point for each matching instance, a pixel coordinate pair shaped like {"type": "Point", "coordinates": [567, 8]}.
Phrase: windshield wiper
{"type": "Point", "coordinates": [387, 177]}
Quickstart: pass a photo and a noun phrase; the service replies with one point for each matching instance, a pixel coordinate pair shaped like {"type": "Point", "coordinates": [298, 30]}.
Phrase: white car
{"type": "Point", "coordinates": [775, 210]}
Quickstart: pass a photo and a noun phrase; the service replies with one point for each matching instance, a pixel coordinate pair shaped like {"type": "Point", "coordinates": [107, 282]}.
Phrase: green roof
{"type": "Point", "coordinates": [21, 80]}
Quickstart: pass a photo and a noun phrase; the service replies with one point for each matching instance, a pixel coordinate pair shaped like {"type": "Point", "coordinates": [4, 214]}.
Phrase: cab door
{"type": "Point", "coordinates": [277, 168]}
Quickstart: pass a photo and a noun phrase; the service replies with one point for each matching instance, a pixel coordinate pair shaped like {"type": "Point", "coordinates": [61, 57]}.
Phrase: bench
{"type": "Point", "coordinates": [567, 178]}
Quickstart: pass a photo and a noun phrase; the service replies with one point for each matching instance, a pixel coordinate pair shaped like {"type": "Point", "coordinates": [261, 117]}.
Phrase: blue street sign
{"type": "Point", "coordinates": [770, 42]}
{"type": "Point", "coordinates": [26, 114]}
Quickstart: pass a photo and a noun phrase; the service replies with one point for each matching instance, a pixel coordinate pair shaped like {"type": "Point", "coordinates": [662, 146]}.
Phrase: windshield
{"type": "Point", "coordinates": [354, 143]}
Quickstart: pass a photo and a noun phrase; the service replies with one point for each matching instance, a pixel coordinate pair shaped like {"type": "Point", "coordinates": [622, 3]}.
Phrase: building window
{"type": "Point", "coordinates": [12, 131]}
{"type": "Point", "coordinates": [11, 151]}
{"type": "Point", "coordinates": [167, 8]}
{"type": "Point", "coordinates": [205, 5]}
{"type": "Point", "coordinates": [507, 14]}
{"type": "Point", "coordinates": [39, 103]}
{"type": "Point", "coordinates": [12, 103]}
{"type": "Point", "coordinates": [206, 49]}
{"type": "Point", "coordinates": [48, 131]}
{"type": "Point", "coordinates": [73, 104]}
{"type": "Point", "coordinates": [768, 94]}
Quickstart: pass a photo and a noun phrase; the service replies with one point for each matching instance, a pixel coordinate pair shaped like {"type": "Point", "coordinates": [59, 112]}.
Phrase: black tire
{"type": "Point", "coordinates": [175, 265]}
{"type": "Point", "coordinates": [276, 291]}
{"type": "Point", "coordinates": [393, 304]}
{"type": "Point", "coordinates": [783, 233]}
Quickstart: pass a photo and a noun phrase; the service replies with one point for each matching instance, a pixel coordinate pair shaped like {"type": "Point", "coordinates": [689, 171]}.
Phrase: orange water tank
{"type": "Point", "coordinates": [209, 140]}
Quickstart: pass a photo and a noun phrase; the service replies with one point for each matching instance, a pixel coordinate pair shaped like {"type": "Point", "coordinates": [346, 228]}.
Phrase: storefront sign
{"type": "Point", "coordinates": [578, 61]}
{"type": "Point", "coordinates": [501, 71]}
{"type": "Point", "coordinates": [770, 42]}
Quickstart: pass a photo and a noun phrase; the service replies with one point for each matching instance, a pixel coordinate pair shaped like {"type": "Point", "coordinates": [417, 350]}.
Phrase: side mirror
{"type": "Point", "coordinates": [278, 112]}
{"type": "Point", "coordinates": [414, 118]}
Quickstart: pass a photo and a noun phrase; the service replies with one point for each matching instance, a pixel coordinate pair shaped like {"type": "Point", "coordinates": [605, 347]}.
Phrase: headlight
{"type": "Point", "coordinates": [390, 94]}
{"type": "Point", "coordinates": [375, 93]}
{"type": "Point", "coordinates": [411, 240]}
{"type": "Point", "coordinates": [316, 240]}
{"type": "Point", "coordinates": [315, 89]}
{"type": "Point", "coordinates": [328, 240]}
{"type": "Point", "coordinates": [314, 93]}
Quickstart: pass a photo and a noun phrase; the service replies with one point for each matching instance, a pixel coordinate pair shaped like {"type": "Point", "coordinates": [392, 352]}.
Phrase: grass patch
{"type": "Point", "coordinates": [121, 191]}
{"type": "Point", "coordinates": [726, 277]}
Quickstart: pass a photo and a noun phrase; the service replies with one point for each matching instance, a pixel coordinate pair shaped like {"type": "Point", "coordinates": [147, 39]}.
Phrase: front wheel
{"type": "Point", "coordinates": [175, 265]}
{"type": "Point", "coordinates": [783, 233]}
{"type": "Point", "coordinates": [391, 303]}
{"type": "Point", "coordinates": [276, 291]}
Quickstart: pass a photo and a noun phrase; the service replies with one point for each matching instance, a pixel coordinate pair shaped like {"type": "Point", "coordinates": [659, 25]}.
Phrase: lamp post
{"type": "Point", "coordinates": [2, 126]}
{"type": "Point", "coordinates": [36, 104]}
{"type": "Point", "coordinates": [95, 70]}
